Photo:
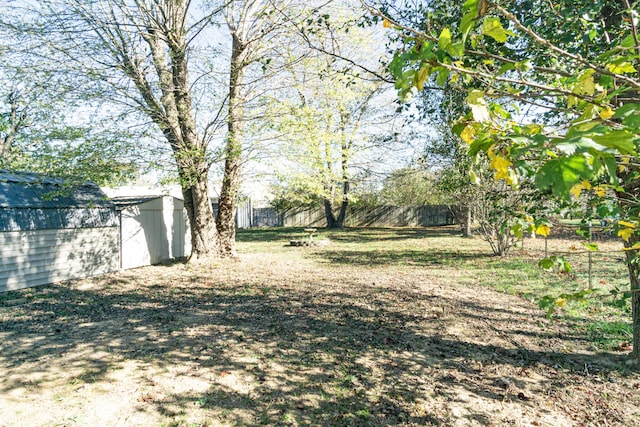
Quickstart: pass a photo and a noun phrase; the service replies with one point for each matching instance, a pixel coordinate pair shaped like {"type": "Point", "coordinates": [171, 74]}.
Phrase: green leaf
{"type": "Point", "coordinates": [546, 264]}
{"type": "Point", "coordinates": [469, 18]}
{"type": "Point", "coordinates": [443, 76]}
{"type": "Point", "coordinates": [421, 76]}
{"type": "Point", "coordinates": [585, 84]}
{"type": "Point", "coordinates": [456, 49]}
{"type": "Point", "coordinates": [505, 68]}
{"type": "Point", "coordinates": [517, 230]}
{"type": "Point", "coordinates": [480, 144]}
{"type": "Point", "coordinates": [628, 42]}
{"type": "Point", "coordinates": [620, 140]}
{"type": "Point", "coordinates": [493, 28]}
{"type": "Point", "coordinates": [627, 110]}
{"type": "Point", "coordinates": [591, 246]}
{"type": "Point", "coordinates": [562, 173]}
{"type": "Point", "coordinates": [630, 115]}
{"type": "Point", "coordinates": [445, 39]}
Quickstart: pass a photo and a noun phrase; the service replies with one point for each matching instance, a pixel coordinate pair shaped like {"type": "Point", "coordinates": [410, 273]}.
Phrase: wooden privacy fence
{"type": "Point", "coordinates": [378, 216]}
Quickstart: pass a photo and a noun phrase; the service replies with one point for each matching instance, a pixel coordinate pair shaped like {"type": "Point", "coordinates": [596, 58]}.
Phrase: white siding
{"type": "Point", "coordinates": [38, 257]}
{"type": "Point", "coordinates": [154, 232]}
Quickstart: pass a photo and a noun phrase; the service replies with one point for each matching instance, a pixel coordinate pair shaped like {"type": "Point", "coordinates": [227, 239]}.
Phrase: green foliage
{"type": "Point", "coordinates": [551, 303]}
{"type": "Point", "coordinates": [577, 64]}
{"type": "Point", "coordinates": [323, 118]}
{"type": "Point", "coordinates": [410, 187]}
{"type": "Point", "coordinates": [52, 124]}
{"type": "Point", "coordinates": [295, 192]}
{"type": "Point", "coordinates": [102, 156]}
{"type": "Point", "coordinates": [591, 143]}
{"type": "Point", "coordinates": [555, 263]}
{"type": "Point", "coordinates": [621, 298]}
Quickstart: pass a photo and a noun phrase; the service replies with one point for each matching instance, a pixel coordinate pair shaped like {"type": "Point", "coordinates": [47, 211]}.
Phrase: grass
{"type": "Point", "coordinates": [380, 327]}
{"type": "Point", "coordinates": [471, 263]}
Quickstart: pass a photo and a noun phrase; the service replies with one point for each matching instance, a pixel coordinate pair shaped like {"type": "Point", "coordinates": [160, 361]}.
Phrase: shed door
{"type": "Point", "coordinates": [144, 237]}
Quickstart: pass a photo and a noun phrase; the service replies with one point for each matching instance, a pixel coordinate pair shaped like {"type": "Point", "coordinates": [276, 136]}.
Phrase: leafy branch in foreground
{"type": "Point", "coordinates": [575, 69]}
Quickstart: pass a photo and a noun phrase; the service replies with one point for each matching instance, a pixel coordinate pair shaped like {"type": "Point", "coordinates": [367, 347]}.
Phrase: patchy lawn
{"type": "Point", "coordinates": [380, 327]}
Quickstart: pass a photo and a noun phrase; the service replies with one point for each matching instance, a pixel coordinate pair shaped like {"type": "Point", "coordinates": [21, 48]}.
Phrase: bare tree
{"type": "Point", "coordinates": [139, 52]}
{"type": "Point", "coordinates": [253, 35]}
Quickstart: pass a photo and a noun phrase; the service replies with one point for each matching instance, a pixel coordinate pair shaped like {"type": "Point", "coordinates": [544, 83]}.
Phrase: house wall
{"type": "Point", "coordinates": [154, 232]}
{"type": "Point", "coordinates": [37, 257]}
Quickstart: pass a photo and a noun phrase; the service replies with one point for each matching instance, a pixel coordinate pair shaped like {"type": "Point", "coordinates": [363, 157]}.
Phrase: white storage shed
{"type": "Point", "coordinates": [153, 229]}
{"type": "Point", "coordinates": [51, 231]}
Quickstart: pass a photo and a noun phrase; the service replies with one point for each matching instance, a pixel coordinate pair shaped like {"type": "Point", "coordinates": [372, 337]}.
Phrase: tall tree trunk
{"type": "Point", "coordinates": [343, 206]}
{"type": "Point", "coordinates": [228, 201]}
{"type": "Point", "coordinates": [467, 230]}
{"type": "Point", "coordinates": [200, 214]}
{"type": "Point", "coordinates": [345, 146]}
{"type": "Point", "coordinates": [328, 213]}
{"type": "Point", "coordinates": [634, 281]}
{"type": "Point", "coordinates": [628, 207]}
{"type": "Point", "coordinates": [193, 173]}
{"type": "Point", "coordinates": [192, 148]}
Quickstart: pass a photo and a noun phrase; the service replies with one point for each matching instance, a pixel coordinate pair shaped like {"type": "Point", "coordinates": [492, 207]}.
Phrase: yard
{"type": "Point", "coordinates": [380, 327]}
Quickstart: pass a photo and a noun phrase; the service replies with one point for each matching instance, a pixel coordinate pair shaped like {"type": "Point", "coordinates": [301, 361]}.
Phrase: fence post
{"type": "Point", "coordinates": [546, 251]}
{"type": "Point", "coordinates": [590, 255]}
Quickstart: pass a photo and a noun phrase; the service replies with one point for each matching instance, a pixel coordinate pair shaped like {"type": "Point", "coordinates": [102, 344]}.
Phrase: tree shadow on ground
{"type": "Point", "coordinates": [415, 257]}
{"type": "Point", "coordinates": [380, 234]}
{"type": "Point", "coordinates": [281, 355]}
{"type": "Point", "coordinates": [347, 235]}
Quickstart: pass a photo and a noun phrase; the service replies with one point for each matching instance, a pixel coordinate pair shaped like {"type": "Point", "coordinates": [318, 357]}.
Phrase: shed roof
{"type": "Point", "coordinates": [123, 202]}
{"type": "Point", "coordinates": [30, 190]}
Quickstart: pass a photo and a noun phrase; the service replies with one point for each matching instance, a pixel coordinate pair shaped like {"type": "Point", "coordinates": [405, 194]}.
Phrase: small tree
{"type": "Point", "coordinates": [322, 117]}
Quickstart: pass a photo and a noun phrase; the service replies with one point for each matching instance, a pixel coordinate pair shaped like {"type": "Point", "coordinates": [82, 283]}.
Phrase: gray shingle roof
{"type": "Point", "coordinates": [34, 202]}
{"type": "Point", "coordinates": [29, 190]}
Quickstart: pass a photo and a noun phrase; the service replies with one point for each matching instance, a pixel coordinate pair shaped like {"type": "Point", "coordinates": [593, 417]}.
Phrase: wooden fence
{"type": "Point", "coordinates": [379, 216]}
{"type": "Point", "coordinates": [248, 216]}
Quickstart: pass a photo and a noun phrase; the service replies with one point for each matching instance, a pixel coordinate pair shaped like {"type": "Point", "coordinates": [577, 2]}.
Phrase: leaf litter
{"type": "Point", "coordinates": [294, 336]}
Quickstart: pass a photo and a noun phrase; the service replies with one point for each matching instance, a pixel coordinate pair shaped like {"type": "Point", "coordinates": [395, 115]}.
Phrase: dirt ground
{"type": "Point", "coordinates": [293, 336]}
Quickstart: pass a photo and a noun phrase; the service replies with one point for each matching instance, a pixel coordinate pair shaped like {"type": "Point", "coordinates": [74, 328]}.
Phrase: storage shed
{"type": "Point", "coordinates": [153, 229]}
{"type": "Point", "coordinates": [50, 231]}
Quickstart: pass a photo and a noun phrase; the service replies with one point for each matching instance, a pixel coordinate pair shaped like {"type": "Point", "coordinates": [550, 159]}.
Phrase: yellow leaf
{"type": "Point", "coordinates": [478, 105]}
{"type": "Point", "coordinates": [625, 67]}
{"type": "Point", "coordinates": [586, 185]}
{"type": "Point", "coordinates": [635, 247]}
{"type": "Point", "coordinates": [501, 166]}
{"type": "Point", "coordinates": [607, 113]}
{"type": "Point", "coordinates": [625, 233]}
{"type": "Point", "coordinates": [423, 75]}
{"type": "Point", "coordinates": [468, 134]}
{"type": "Point", "coordinates": [543, 230]}
{"type": "Point", "coordinates": [626, 224]}
{"type": "Point", "coordinates": [560, 302]}
{"type": "Point", "coordinates": [576, 190]}
{"type": "Point", "coordinates": [600, 191]}
{"type": "Point", "coordinates": [528, 218]}
{"type": "Point", "coordinates": [386, 23]}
